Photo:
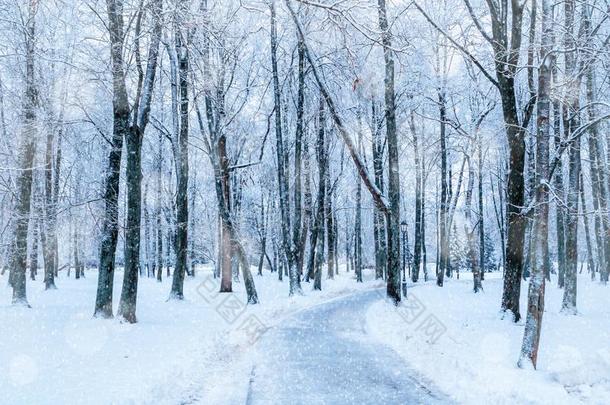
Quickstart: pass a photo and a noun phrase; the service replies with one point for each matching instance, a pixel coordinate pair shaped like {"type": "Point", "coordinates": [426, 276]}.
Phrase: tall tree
{"type": "Point", "coordinates": [182, 37]}
{"type": "Point", "coordinates": [419, 218]}
{"type": "Point", "coordinates": [378, 217]}
{"type": "Point", "coordinates": [571, 123]}
{"type": "Point", "coordinates": [322, 156]}
{"type": "Point", "coordinates": [27, 151]}
{"type": "Point", "coordinates": [535, 307]}
{"type": "Point", "coordinates": [393, 214]}
{"type": "Point", "coordinates": [289, 248]}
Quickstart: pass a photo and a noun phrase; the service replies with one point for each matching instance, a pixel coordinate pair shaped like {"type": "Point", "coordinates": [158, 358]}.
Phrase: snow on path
{"type": "Point", "coordinates": [323, 355]}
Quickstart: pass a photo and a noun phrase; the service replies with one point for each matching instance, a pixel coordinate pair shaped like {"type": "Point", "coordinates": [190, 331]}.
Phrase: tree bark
{"type": "Point", "coordinates": [570, 124]}
{"type": "Point", "coordinates": [322, 155]}
{"type": "Point", "coordinates": [287, 243]}
{"type": "Point", "coordinates": [443, 266]}
{"type": "Point", "coordinates": [535, 307]}
{"type": "Point", "coordinates": [50, 222]}
{"type": "Point", "coordinates": [417, 250]}
{"type": "Point", "coordinates": [393, 214]}
{"type": "Point", "coordinates": [26, 155]}
{"type": "Point", "coordinates": [470, 227]}
{"type": "Point", "coordinates": [378, 217]}
{"type": "Point", "coordinates": [181, 246]}
{"type": "Point", "coordinates": [134, 137]}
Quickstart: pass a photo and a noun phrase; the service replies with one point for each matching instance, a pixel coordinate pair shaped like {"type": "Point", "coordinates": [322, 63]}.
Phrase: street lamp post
{"type": "Point", "coordinates": [403, 228]}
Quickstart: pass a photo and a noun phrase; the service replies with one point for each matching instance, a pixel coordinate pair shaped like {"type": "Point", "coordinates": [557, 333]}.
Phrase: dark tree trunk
{"type": "Point", "coordinates": [393, 214]}
{"type": "Point", "coordinates": [443, 266]}
{"type": "Point", "coordinates": [27, 151]}
{"type": "Point", "coordinates": [181, 246]}
{"type": "Point", "coordinates": [535, 306]}
{"type": "Point", "coordinates": [358, 233]}
{"type": "Point", "coordinates": [358, 219]}
{"type": "Point", "coordinates": [262, 232]}
{"type": "Point", "coordinates": [318, 229]}
{"type": "Point", "coordinates": [560, 216]}
{"type": "Point", "coordinates": [585, 220]}
{"type": "Point", "coordinates": [158, 212]}
{"type": "Point", "coordinates": [300, 224]}
{"type": "Point", "coordinates": [120, 106]}
{"type": "Point", "coordinates": [480, 201]}
{"type": "Point", "coordinates": [127, 303]}
{"type": "Point", "coordinates": [417, 250]}
{"type": "Point", "coordinates": [470, 227]}
{"type": "Point", "coordinates": [50, 237]}
{"type": "Point", "coordinates": [168, 245]}
{"type": "Point", "coordinates": [378, 217]}
{"type": "Point", "coordinates": [147, 249]}
{"type": "Point", "coordinates": [515, 200]}
{"type": "Point", "coordinates": [287, 242]}
{"type": "Point", "coordinates": [330, 227]}
{"type": "Point", "coordinates": [34, 250]}
{"type": "Point", "coordinates": [571, 123]}
{"type": "Point", "coordinates": [307, 210]}
{"type": "Point", "coordinates": [500, 218]}
{"type": "Point", "coordinates": [134, 136]}
{"type": "Point", "coordinates": [77, 256]}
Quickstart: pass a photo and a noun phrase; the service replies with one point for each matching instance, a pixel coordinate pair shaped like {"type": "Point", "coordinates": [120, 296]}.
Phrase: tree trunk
{"type": "Point", "coordinates": [26, 155]}
{"type": "Point", "coordinates": [378, 217]}
{"type": "Point", "coordinates": [300, 225]}
{"type": "Point", "coordinates": [134, 136]}
{"type": "Point", "coordinates": [50, 237]}
{"type": "Point", "coordinates": [287, 242]}
{"type": "Point", "coordinates": [147, 248]}
{"type": "Point", "coordinates": [585, 220]}
{"type": "Point", "coordinates": [358, 218]}
{"type": "Point", "coordinates": [470, 227]}
{"type": "Point", "coordinates": [307, 209]}
{"type": "Point", "coordinates": [535, 307]}
{"type": "Point", "coordinates": [191, 217]}
{"type": "Point", "coordinates": [393, 214]}
{"type": "Point", "coordinates": [34, 250]}
{"type": "Point", "coordinates": [158, 213]}
{"type": "Point", "coordinates": [417, 250]}
{"type": "Point", "coordinates": [570, 125]}
{"type": "Point", "coordinates": [358, 234]}
{"type": "Point", "coordinates": [480, 201]}
{"type": "Point", "coordinates": [443, 266]}
{"type": "Point", "coordinates": [181, 249]}
{"type": "Point", "coordinates": [515, 200]}
{"type": "Point", "coordinates": [77, 257]}
{"type": "Point", "coordinates": [330, 227]}
{"type": "Point", "coordinates": [120, 107]}
{"type": "Point", "coordinates": [322, 155]}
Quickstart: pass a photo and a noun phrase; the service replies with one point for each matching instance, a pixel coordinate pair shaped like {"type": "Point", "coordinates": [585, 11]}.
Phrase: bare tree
{"type": "Point", "coordinates": [535, 307]}
{"type": "Point", "coordinates": [26, 163]}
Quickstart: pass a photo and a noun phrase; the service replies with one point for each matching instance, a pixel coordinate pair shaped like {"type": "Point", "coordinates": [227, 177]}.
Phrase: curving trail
{"type": "Point", "coordinates": [334, 361]}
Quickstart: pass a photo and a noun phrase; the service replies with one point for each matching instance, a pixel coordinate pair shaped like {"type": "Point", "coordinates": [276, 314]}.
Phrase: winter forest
{"type": "Point", "coordinates": [304, 201]}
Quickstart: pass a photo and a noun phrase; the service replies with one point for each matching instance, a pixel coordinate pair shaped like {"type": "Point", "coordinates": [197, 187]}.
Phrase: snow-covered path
{"type": "Point", "coordinates": [324, 355]}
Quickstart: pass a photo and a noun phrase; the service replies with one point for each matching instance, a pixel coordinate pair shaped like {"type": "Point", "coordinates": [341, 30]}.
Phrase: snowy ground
{"type": "Point", "coordinates": [178, 352]}
{"type": "Point", "coordinates": [212, 349]}
{"type": "Point", "coordinates": [458, 340]}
